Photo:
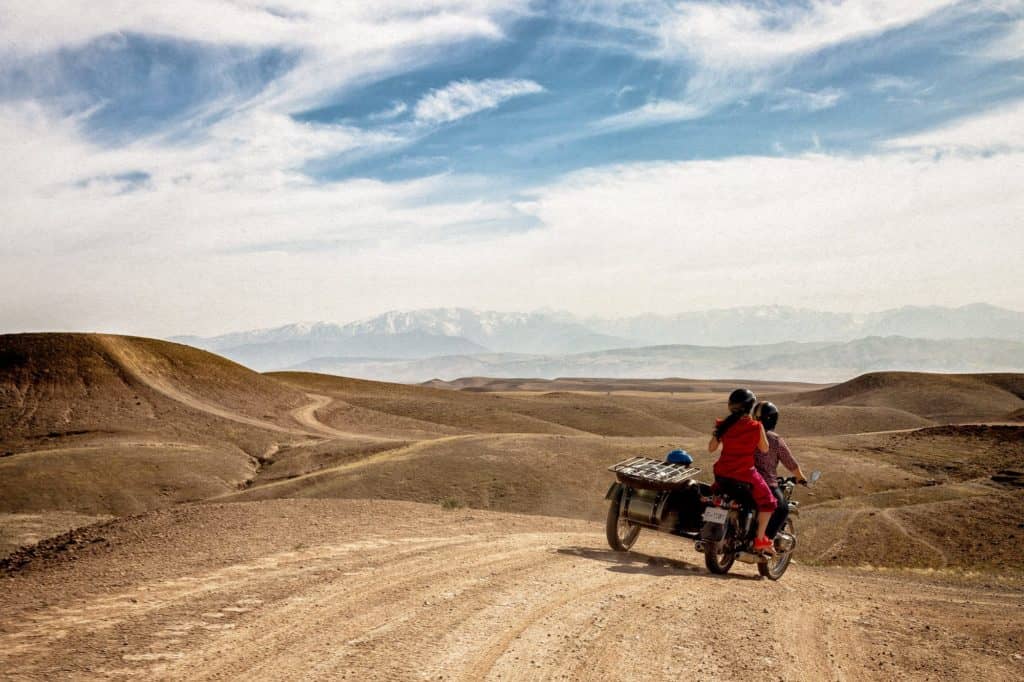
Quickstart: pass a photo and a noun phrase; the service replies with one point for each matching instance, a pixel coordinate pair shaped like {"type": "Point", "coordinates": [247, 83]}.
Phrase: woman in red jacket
{"type": "Point", "coordinates": [740, 436]}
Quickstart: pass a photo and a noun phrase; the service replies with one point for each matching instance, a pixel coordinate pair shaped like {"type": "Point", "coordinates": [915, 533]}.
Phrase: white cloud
{"type": "Point", "coordinates": [1000, 129]}
{"type": "Point", "coordinates": [1010, 46]}
{"type": "Point", "coordinates": [337, 27]}
{"type": "Point", "coordinates": [652, 113]}
{"type": "Point", "coordinates": [741, 49]}
{"type": "Point", "coordinates": [190, 252]}
{"type": "Point", "coordinates": [890, 83]}
{"type": "Point", "coordinates": [337, 43]}
{"type": "Point", "coordinates": [792, 99]}
{"type": "Point", "coordinates": [392, 112]}
{"type": "Point", "coordinates": [819, 230]}
{"type": "Point", "coordinates": [464, 98]}
{"type": "Point", "coordinates": [740, 36]}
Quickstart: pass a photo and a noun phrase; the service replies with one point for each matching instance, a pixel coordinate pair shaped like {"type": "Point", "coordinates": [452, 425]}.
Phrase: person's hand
{"type": "Point", "coordinates": [802, 481]}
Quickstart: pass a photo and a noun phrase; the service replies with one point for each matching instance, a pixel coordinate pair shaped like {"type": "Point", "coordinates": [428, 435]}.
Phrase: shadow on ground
{"type": "Point", "coordinates": [646, 564]}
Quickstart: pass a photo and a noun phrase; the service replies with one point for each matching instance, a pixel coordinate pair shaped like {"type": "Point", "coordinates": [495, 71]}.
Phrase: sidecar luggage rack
{"type": "Point", "coordinates": [652, 474]}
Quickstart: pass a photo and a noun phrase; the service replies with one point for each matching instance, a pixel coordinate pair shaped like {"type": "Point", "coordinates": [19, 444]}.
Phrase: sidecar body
{"type": "Point", "coordinates": [659, 495]}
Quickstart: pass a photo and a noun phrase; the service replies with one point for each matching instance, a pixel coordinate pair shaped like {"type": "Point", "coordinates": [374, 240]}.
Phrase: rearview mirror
{"type": "Point", "coordinates": [815, 475]}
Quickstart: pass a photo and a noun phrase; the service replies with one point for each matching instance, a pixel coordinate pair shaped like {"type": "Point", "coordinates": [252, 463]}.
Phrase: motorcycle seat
{"type": "Point", "coordinates": [741, 491]}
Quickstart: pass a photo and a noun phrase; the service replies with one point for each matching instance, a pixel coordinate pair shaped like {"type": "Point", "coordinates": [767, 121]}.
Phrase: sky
{"type": "Point", "coordinates": [205, 166]}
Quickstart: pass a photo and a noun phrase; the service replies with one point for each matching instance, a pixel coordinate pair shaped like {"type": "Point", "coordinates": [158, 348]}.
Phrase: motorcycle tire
{"type": "Point", "coordinates": [777, 565]}
{"type": "Point", "coordinates": [621, 533]}
{"type": "Point", "coordinates": [717, 562]}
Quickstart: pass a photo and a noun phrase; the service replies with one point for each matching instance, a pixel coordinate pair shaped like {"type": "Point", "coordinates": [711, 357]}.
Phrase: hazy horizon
{"type": "Point", "coordinates": [537, 311]}
{"type": "Point", "coordinates": [204, 167]}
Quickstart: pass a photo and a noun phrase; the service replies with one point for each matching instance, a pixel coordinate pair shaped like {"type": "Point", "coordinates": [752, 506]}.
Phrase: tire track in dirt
{"type": "Point", "coordinates": [306, 415]}
{"type": "Point", "coordinates": [841, 542]}
{"type": "Point", "coordinates": [486, 596]}
{"type": "Point", "coordinates": [388, 621]}
{"type": "Point", "coordinates": [914, 537]}
{"type": "Point", "coordinates": [394, 454]}
{"type": "Point", "coordinates": [198, 598]}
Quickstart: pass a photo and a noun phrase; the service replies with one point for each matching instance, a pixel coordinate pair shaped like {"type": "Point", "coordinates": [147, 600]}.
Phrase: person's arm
{"type": "Point", "coordinates": [787, 459]}
{"type": "Point", "coordinates": [713, 444]}
{"type": "Point", "coordinates": [762, 445]}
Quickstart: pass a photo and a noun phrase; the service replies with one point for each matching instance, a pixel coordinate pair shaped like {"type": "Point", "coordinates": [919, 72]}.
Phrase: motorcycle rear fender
{"type": "Point", "coordinates": [613, 491]}
{"type": "Point", "coordinates": [712, 532]}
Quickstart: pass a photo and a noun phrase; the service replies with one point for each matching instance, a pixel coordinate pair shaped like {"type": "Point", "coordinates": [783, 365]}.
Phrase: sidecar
{"type": "Point", "coordinates": [649, 493]}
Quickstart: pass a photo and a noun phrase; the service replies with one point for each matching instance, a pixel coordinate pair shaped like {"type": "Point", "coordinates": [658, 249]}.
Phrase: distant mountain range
{"type": "Point", "coordinates": [771, 342]}
{"type": "Point", "coordinates": [813, 362]}
{"type": "Point", "coordinates": [776, 324]}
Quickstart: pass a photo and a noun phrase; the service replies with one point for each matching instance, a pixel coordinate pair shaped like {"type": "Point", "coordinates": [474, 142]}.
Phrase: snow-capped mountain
{"type": "Point", "coordinates": [537, 332]}
{"type": "Point", "coordinates": [438, 332]}
{"type": "Point", "coordinates": [775, 324]}
{"type": "Point", "coordinates": [816, 362]}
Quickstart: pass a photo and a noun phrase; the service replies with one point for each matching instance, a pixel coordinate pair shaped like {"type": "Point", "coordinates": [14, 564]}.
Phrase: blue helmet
{"type": "Point", "coordinates": [679, 457]}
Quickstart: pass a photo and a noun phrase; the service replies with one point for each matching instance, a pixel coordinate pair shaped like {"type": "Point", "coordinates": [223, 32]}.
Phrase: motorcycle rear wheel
{"type": "Point", "coordinates": [718, 558]}
{"type": "Point", "coordinates": [621, 533]}
{"type": "Point", "coordinates": [777, 565]}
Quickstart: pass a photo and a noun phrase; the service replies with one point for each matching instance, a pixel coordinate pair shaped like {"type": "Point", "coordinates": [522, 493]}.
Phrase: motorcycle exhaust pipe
{"type": "Point", "coordinates": [784, 542]}
{"type": "Point", "coordinates": [699, 546]}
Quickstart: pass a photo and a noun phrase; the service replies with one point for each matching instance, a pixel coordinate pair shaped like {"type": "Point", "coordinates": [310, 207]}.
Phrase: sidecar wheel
{"type": "Point", "coordinates": [620, 532]}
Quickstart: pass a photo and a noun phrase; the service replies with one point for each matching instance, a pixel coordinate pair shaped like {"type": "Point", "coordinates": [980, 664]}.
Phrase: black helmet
{"type": "Point", "coordinates": [742, 400]}
{"type": "Point", "coordinates": [767, 414]}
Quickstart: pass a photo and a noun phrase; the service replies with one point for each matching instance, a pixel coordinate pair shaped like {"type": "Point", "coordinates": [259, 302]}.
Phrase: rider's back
{"type": "Point", "coordinates": [738, 446]}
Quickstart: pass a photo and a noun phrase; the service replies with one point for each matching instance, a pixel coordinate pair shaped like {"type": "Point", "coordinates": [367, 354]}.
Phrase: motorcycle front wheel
{"type": "Point", "coordinates": [719, 557]}
{"type": "Point", "coordinates": [777, 565]}
{"type": "Point", "coordinates": [620, 532]}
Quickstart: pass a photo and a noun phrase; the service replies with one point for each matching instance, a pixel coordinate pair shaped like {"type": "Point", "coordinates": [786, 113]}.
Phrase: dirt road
{"type": "Point", "coordinates": [371, 590]}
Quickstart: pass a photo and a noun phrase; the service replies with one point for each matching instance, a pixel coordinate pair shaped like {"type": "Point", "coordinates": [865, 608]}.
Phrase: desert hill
{"type": "Point", "coordinates": [74, 384]}
{"type": "Point", "coordinates": [182, 517]}
{"type": "Point", "coordinates": [102, 425]}
{"type": "Point", "coordinates": [98, 424]}
{"type": "Point", "coordinates": [942, 397]}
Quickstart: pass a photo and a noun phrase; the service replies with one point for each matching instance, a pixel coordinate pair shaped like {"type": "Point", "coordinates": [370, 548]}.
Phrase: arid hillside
{"type": "Point", "coordinates": [160, 505]}
{"type": "Point", "coordinates": [100, 425]}
{"type": "Point", "coordinates": [941, 397]}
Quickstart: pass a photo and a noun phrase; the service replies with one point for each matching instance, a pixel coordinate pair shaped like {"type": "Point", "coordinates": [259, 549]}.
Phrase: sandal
{"type": "Point", "coordinates": [763, 545]}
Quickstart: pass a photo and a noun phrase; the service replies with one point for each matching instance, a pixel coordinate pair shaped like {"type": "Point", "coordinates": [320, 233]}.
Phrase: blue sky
{"type": "Point", "coordinates": [292, 160]}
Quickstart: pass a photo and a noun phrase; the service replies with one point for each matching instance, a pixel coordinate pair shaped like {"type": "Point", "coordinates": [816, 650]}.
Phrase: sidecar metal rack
{"type": "Point", "coordinates": [652, 474]}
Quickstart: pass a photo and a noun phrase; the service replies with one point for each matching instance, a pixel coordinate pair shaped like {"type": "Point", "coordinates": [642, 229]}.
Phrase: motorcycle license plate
{"type": "Point", "coordinates": [715, 515]}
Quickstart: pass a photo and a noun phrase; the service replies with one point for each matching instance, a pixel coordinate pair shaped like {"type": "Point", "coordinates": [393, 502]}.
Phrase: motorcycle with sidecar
{"type": "Point", "coordinates": [666, 497]}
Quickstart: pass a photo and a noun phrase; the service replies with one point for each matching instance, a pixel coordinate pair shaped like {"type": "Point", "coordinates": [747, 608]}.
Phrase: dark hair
{"type": "Point", "coordinates": [741, 402]}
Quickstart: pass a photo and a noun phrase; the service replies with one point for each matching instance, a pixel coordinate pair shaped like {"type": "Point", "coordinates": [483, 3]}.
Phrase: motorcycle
{"type": "Point", "coordinates": [666, 497]}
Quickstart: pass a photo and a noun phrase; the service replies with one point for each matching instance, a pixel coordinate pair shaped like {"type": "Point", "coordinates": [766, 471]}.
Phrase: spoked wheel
{"type": "Point", "coordinates": [621, 533]}
{"type": "Point", "coordinates": [719, 556]}
{"type": "Point", "coordinates": [777, 565]}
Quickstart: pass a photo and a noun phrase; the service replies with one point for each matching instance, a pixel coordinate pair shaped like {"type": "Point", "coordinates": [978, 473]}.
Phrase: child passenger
{"type": "Point", "coordinates": [740, 437]}
{"type": "Point", "coordinates": [767, 463]}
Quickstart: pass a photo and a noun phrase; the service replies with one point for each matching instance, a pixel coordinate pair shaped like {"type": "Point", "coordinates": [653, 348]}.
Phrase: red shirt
{"type": "Point", "coordinates": [739, 444]}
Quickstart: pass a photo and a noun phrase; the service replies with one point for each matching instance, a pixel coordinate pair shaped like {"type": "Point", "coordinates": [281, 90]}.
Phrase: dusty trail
{"type": "Point", "coordinates": [395, 591]}
{"type": "Point", "coordinates": [393, 454]}
{"type": "Point", "coordinates": [126, 355]}
{"type": "Point", "coordinates": [914, 537]}
{"type": "Point", "coordinates": [305, 415]}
